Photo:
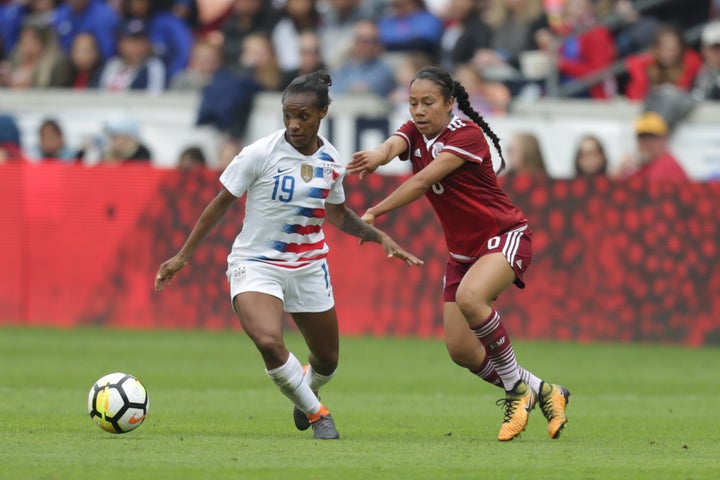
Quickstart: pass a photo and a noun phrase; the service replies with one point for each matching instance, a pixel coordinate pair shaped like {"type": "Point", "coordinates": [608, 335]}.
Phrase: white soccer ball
{"type": "Point", "coordinates": [118, 403]}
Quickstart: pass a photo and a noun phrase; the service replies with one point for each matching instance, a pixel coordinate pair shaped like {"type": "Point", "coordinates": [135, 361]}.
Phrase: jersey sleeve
{"type": "Point", "coordinates": [469, 144]}
{"type": "Point", "coordinates": [407, 132]}
{"type": "Point", "coordinates": [337, 192]}
{"type": "Point", "coordinates": [240, 173]}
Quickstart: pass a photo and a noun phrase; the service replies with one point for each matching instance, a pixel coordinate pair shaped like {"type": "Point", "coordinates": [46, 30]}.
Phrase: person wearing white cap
{"type": "Point", "coordinates": [124, 143]}
{"type": "Point", "coordinates": [707, 83]}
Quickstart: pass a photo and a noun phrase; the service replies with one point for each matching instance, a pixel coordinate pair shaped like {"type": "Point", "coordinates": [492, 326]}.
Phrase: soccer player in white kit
{"type": "Point", "coordinates": [293, 181]}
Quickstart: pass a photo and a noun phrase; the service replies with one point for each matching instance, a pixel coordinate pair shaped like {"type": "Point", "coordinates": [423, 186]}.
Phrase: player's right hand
{"type": "Point", "coordinates": [364, 162]}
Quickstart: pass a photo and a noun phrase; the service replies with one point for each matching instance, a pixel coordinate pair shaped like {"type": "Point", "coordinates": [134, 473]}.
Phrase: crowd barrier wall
{"type": "Point", "coordinates": [357, 122]}
{"type": "Point", "coordinates": [630, 262]}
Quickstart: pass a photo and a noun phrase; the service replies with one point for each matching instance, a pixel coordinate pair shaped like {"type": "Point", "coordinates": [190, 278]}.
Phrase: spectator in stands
{"type": "Point", "coordinates": [410, 27]}
{"type": "Point", "coordinates": [586, 48]}
{"type": "Point", "coordinates": [524, 156]}
{"type": "Point", "coordinates": [227, 100]}
{"type": "Point", "coordinates": [94, 16]}
{"type": "Point", "coordinates": [297, 16]}
{"type": "Point", "coordinates": [10, 145]}
{"type": "Point", "coordinates": [205, 60]}
{"type": "Point", "coordinates": [248, 16]}
{"type": "Point", "coordinates": [707, 82]}
{"type": "Point", "coordinates": [364, 71]}
{"type": "Point", "coordinates": [336, 30]}
{"type": "Point", "coordinates": [85, 62]}
{"type": "Point", "coordinates": [259, 61]}
{"type": "Point", "coordinates": [37, 61]}
{"type": "Point", "coordinates": [191, 158]}
{"type": "Point", "coordinates": [135, 67]}
{"type": "Point", "coordinates": [124, 145]}
{"type": "Point", "coordinates": [311, 58]}
{"type": "Point", "coordinates": [15, 15]}
{"type": "Point", "coordinates": [511, 22]}
{"type": "Point", "coordinates": [635, 30]}
{"type": "Point", "coordinates": [52, 144]}
{"type": "Point", "coordinates": [590, 159]}
{"type": "Point", "coordinates": [486, 97]}
{"type": "Point", "coordinates": [405, 71]}
{"type": "Point", "coordinates": [652, 160]}
{"type": "Point", "coordinates": [170, 37]}
{"type": "Point", "coordinates": [670, 62]}
{"type": "Point", "coordinates": [465, 33]}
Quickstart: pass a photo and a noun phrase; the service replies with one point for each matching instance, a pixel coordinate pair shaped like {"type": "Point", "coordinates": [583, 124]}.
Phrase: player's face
{"type": "Point", "coordinates": [302, 117]}
{"type": "Point", "coordinates": [429, 110]}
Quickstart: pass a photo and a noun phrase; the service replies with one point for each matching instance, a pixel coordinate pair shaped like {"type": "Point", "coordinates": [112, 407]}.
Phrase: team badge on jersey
{"type": "Point", "coordinates": [327, 173]}
{"type": "Point", "coordinates": [437, 148]}
{"type": "Point", "coordinates": [307, 172]}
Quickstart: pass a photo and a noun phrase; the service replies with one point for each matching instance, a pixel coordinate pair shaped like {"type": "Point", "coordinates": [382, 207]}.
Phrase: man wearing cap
{"type": "Point", "coordinates": [707, 83]}
{"type": "Point", "coordinates": [652, 160]}
{"type": "Point", "coordinates": [135, 67]}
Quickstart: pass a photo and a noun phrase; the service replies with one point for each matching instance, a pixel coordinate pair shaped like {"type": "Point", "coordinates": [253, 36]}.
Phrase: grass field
{"type": "Point", "coordinates": [403, 411]}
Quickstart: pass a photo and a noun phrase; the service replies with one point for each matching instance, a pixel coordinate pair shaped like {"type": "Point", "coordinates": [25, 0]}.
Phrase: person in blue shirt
{"type": "Point", "coordinates": [411, 27]}
{"type": "Point", "coordinates": [364, 71]}
{"type": "Point", "coordinates": [171, 37]}
{"type": "Point", "coordinates": [94, 16]}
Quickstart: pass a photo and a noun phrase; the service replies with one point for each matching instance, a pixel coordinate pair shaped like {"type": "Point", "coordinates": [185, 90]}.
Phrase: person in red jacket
{"type": "Point", "coordinates": [585, 48]}
{"type": "Point", "coordinates": [652, 160]}
{"type": "Point", "coordinates": [669, 62]}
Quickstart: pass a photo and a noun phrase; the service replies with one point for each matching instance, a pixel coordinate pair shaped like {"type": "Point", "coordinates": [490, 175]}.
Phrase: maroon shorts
{"type": "Point", "coordinates": [515, 245]}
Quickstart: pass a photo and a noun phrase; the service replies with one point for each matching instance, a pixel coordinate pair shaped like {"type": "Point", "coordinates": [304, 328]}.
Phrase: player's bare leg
{"type": "Point", "coordinates": [484, 281]}
{"type": "Point", "coordinates": [261, 317]}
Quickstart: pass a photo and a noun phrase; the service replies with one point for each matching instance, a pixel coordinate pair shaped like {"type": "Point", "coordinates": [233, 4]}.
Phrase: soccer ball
{"type": "Point", "coordinates": [118, 403]}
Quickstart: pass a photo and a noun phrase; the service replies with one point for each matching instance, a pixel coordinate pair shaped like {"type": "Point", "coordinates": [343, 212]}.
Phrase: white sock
{"type": "Point", "coordinates": [529, 378]}
{"type": "Point", "coordinates": [316, 380]}
{"type": "Point", "coordinates": [289, 379]}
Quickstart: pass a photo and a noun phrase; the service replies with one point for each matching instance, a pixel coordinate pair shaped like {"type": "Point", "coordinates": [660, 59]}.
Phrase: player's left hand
{"type": "Point", "coordinates": [393, 250]}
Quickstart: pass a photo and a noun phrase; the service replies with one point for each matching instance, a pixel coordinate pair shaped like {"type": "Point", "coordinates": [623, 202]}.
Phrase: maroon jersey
{"type": "Point", "coordinates": [469, 202]}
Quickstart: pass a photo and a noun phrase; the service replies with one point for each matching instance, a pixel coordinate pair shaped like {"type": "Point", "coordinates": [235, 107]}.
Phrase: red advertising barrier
{"type": "Point", "coordinates": [612, 261]}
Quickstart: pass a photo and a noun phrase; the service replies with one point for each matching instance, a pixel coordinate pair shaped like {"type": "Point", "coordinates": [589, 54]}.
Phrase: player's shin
{"type": "Point", "coordinates": [290, 381]}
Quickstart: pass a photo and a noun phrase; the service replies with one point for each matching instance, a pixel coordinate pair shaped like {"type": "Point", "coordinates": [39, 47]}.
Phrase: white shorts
{"type": "Point", "coordinates": [305, 289]}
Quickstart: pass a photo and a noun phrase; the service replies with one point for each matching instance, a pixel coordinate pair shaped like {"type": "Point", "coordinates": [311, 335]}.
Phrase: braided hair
{"type": "Point", "coordinates": [317, 82]}
{"type": "Point", "coordinates": [453, 88]}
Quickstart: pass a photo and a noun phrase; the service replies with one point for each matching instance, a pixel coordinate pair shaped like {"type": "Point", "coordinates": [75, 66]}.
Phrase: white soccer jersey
{"type": "Point", "coordinates": [285, 204]}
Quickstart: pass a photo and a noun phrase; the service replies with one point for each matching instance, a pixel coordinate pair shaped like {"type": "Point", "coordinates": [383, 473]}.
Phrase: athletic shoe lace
{"type": "Point", "coordinates": [510, 406]}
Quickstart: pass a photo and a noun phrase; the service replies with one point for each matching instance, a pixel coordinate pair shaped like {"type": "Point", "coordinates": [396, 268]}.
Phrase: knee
{"type": "Point", "coordinates": [473, 305]}
{"type": "Point", "coordinates": [271, 348]}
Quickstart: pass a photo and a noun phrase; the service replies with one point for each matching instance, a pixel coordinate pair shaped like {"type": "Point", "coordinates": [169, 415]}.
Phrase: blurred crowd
{"type": "Point", "coordinates": [664, 54]}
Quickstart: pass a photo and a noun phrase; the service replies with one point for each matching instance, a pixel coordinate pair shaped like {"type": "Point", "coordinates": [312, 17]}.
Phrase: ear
{"type": "Point", "coordinates": [323, 113]}
{"type": "Point", "coordinates": [450, 103]}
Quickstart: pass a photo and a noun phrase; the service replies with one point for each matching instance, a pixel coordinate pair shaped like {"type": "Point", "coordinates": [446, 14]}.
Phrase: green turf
{"type": "Point", "coordinates": [403, 410]}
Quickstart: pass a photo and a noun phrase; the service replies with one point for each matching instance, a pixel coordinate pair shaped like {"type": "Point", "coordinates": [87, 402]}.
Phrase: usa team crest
{"type": "Point", "coordinates": [306, 172]}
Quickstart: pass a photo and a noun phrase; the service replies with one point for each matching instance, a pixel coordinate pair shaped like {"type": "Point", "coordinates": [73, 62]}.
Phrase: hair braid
{"type": "Point", "coordinates": [463, 101]}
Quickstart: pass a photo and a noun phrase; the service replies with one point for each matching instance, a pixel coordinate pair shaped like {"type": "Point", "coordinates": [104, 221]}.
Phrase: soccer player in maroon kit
{"type": "Point", "coordinates": [487, 237]}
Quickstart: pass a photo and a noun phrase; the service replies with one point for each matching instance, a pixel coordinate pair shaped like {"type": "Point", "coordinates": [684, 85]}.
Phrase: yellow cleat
{"type": "Point", "coordinates": [518, 403]}
{"type": "Point", "coordinates": [553, 402]}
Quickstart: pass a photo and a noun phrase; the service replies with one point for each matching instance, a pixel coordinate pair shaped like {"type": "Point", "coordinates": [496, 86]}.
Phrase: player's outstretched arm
{"type": "Point", "coordinates": [348, 221]}
{"type": "Point", "coordinates": [366, 162]}
{"type": "Point", "coordinates": [210, 217]}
